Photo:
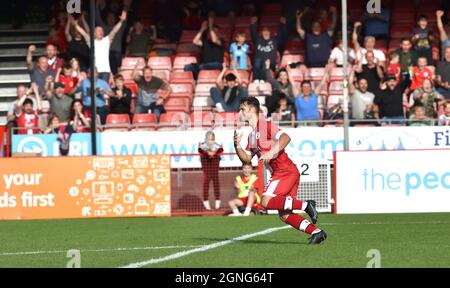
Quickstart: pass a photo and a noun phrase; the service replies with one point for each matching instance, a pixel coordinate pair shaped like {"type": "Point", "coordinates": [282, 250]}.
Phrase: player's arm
{"type": "Point", "coordinates": [243, 156]}
{"type": "Point", "coordinates": [279, 145]}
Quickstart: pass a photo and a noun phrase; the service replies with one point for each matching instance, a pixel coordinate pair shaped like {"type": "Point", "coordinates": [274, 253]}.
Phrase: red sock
{"type": "Point", "coordinates": [300, 223]}
{"type": "Point", "coordinates": [284, 203]}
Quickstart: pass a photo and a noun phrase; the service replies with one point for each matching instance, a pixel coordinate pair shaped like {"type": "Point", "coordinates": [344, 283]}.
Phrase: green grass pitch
{"type": "Point", "coordinates": [404, 240]}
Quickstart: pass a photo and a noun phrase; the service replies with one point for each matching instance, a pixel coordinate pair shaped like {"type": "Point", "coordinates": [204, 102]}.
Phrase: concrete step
{"type": "Point", "coordinates": [4, 106]}
{"type": "Point", "coordinates": [23, 38]}
{"type": "Point", "coordinates": [21, 44]}
{"type": "Point", "coordinates": [26, 26]}
{"type": "Point", "coordinates": [7, 93]}
{"type": "Point", "coordinates": [19, 52]}
{"type": "Point", "coordinates": [14, 79]}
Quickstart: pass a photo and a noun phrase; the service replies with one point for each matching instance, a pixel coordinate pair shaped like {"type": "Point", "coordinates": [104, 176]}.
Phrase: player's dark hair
{"type": "Point", "coordinates": [251, 101]}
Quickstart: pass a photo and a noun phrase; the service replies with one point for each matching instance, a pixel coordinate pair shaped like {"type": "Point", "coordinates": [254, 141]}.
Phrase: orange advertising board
{"type": "Point", "coordinates": [85, 187]}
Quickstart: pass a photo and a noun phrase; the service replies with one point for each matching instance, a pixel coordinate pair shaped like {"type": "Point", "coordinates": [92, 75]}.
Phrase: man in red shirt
{"type": "Point", "coordinates": [70, 82]}
{"type": "Point", "coordinates": [26, 117]}
{"type": "Point", "coordinates": [268, 142]}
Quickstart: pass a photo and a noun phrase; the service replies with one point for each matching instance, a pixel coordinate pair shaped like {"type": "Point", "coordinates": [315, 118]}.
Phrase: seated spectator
{"type": "Point", "coordinates": [148, 98]}
{"type": "Point", "coordinates": [372, 72]}
{"type": "Point", "coordinates": [317, 43]}
{"type": "Point", "coordinates": [422, 39]}
{"type": "Point", "coordinates": [419, 118]}
{"type": "Point", "coordinates": [39, 72]}
{"type": "Point", "coordinates": [443, 75]}
{"type": "Point", "coordinates": [394, 67]}
{"type": "Point", "coordinates": [361, 99]}
{"type": "Point", "coordinates": [139, 40]}
{"type": "Point", "coordinates": [53, 126]}
{"type": "Point", "coordinates": [377, 24]}
{"type": "Point", "coordinates": [309, 103]}
{"type": "Point", "coordinates": [212, 48]}
{"type": "Point", "coordinates": [444, 119]}
{"type": "Point", "coordinates": [284, 84]}
{"type": "Point", "coordinates": [266, 47]}
{"type": "Point", "coordinates": [408, 58]}
{"type": "Point", "coordinates": [239, 51]}
{"type": "Point", "coordinates": [369, 45]}
{"type": "Point", "coordinates": [80, 117]}
{"type": "Point", "coordinates": [27, 118]}
{"type": "Point", "coordinates": [78, 47]}
{"type": "Point", "coordinates": [285, 113]}
{"type": "Point", "coordinates": [101, 89]}
{"type": "Point", "coordinates": [428, 97]}
{"type": "Point", "coordinates": [70, 82]}
{"type": "Point", "coordinates": [337, 55]}
{"type": "Point", "coordinates": [444, 32]}
{"type": "Point", "coordinates": [247, 195]}
{"type": "Point", "coordinates": [102, 45]}
{"type": "Point", "coordinates": [420, 73]}
{"type": "Point", "coordinates": [60, 102]}
{"type": "Point", "coordinates": [120, 97]}
{"type": "Point", "coordinates": [227, 96]}
{"type": "Point", "coordinates": [21, 92]}
{"type": "Point", "coordinates": [54, 62]}
{"type": "Point", "coordinates": [391, 100]}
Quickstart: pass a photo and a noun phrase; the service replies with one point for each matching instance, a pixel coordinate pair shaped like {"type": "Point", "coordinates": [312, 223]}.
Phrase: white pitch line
{"type": "Point", "coordinates": [203, 248]}
{"type": "Point", "coordinates": [98, 250]}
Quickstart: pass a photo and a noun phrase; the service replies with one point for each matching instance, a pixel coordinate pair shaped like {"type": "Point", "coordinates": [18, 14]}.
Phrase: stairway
{"type": "Point", "coordinates": [13, 49]}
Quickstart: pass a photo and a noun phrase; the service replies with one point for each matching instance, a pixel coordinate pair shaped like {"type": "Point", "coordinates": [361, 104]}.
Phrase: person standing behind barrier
{"type": "Point", "coordinates": [210, 153]}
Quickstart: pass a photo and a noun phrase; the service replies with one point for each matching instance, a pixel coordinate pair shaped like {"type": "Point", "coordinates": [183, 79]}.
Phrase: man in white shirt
{"type": "Point", "coordinates": [361, 99]}
{"type": "Point", "coordinates": [369, 45]}
{"type": "Point", "coordinates": [102, 44]}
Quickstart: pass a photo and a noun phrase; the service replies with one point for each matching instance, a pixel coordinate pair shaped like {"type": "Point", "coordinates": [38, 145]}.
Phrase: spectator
{"type": "Point", "coordinates": [120, 97]}
{"type": "Point", "coordinates": [212, 48]}
{"type": "Point", "coordinates": [420, 73]}
{"type": "Point", "coordinates": [54, 62]}
{"type": "Point", "coordinates": [54, 124]}
{"type": "Point", "coordinates": [377, 24]}
{"type": "Point", "coordinates": [115, 44]}
{"type": "Point", "coordinates": [70, 82]}
{"type": "Point", "coordinates": [60, 102]}
{"type": "Point", "coordinates": [419, 118]}
{"type": "Point", "coordinates": [210, 153]}
{"type": "Point", "coordinates": [80, 117]}
{"type": "Point", "coordinates": [78, 47]}
{"type": "Point", "coordinates": [337, 55]}
{"type": "Point", "coordinates": [428, 97]}
{"type": "Point", "coordinates": [21, 92]}
{"type": "Point", "coordinates": [369, 45]}
{"type": "Point", "coordinates": [247, 195]}
{"type": "Point", "coordinates": [55, 40]}
{"type": "Point", "coordinates": [239, 51]}
{"type": "Point", "coordinates": [422, 39]}
{"type": "Point", "coordinates": [372, 72]}
{"type": "Point", "coordinates": [101, 89]}
{"type": "Point", "coordinates": [284, 84]}
{"type": "Point", "coordinates": [192, 19]}
{"type": "Point", "coordinates": [39, 72]}
{"type": "Point", "coordinates": [391, 100]}
{"type": "Point", "coordinates": [76, 69]}
{"type": "Point", "coordinates": [443, 75]}
{"type": "Point", "coordinates": [285, 113]}
{"type": "Point", "coordinates": [317, 43]}
{"type": "Point", "coordinates": [444, 119]}
{"type": "Point", "coordinates": [148, 99]}
{"type": "Point", "coordinates": [394, 67]}
{"type": "Point", "coordinates": [267, 47]}
{"type": "Point", "coordinates": [408, 58]}
{"type": "Point", "coordinates": [309, 103]}
{"type": "Point", "coordinates": [443, 34]}
{"type": "Point", "coordinates": [361, 98]}
{"type": "Point", "coordinates": [102, 45]}
{"type": "Point", "coordinates": [26, 117]}
{"type": "Point", "coordinates": [138, 40]}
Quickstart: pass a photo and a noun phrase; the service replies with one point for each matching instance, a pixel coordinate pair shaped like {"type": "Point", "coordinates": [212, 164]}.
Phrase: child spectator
{"type": "Point", "coordinates": [67, 78]}
{"type": "Point", "coordinates": [210, 153]}
{"type": "Point", "coordinates": [422, 39]}
{"type": "Point", "coordinates": [419, 118]}
{"type": "Point", "coordinates": [428, 97]}
{"type": "Point", "coordinates": [420, 73]}
{"type": "Point", "coordinates": [285, 113]}
{"type": "Point", "coordinates": [444, 119]}
{"type": "Point", "coordinates": [239, 50]}
{"type": "Point", "coordinates": [394, 67]}
{"type": "Point", "coordinates": [120, 98]}
{"type": "Point", "coordinates": [337, 54]}
{"type": "Point", "coordinates": [247, 195]}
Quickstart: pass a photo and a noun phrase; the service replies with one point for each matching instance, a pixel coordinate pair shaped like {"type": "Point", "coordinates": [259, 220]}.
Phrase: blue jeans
{"type": "Point", "coordinates": [444, 92]}
{"type": "Point", "coordinates": [156, 109]}
{"type": "Point", "coordinates": [217, 97]}
{"type": "Point", "coordinates": [195, 68]}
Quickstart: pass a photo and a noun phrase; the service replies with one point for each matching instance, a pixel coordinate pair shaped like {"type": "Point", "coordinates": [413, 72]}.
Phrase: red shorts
{"type": "Point", "coordinates": [244, 201]}
{"type": "Point", "coordinates": [284, 185]}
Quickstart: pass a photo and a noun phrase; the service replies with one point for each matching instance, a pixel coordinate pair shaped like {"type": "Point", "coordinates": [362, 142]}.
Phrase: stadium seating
{"type": "Point", "coordinates": [226, 120]}
{"type": "Point", "coordinates": [315, 74]}
{"type": "Point", "coordinates": [117, 122]}
{"type": "Point", "coordinates": [129, 63]}
{"type": "Point", "coordinates": [144, 122]}
{"type": "Point", "coordinates": [175, 104]}
{"type": "Point", "coordinates": [291, 58]}
{"type": "Point", "coordinates": [208, 76]}
{"type": "Point", "coordinates": [181, 61]}
{"type": "Point", "coordinates": [184, 77]}
{"type": "Point", "coordinates": [260, 89]}
{"type": "Point", "coordinates": [201, 119]}
{"type": "Point", "coordinates": [172, 121]}
{"type": "Point", "coordinates": [182, 90]}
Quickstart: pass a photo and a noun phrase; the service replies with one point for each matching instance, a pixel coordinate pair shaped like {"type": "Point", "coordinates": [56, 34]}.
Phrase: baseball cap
{"type": "Point", "coordinates": [391, 77]}
{"type": "Point", "coordinates": [60, 85]}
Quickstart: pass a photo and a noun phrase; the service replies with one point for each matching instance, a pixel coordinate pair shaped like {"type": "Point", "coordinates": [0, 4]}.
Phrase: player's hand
{"type": "Point", "coordinates": [266, 157]}
{"type": "Point", "coordinates": [237, 138]}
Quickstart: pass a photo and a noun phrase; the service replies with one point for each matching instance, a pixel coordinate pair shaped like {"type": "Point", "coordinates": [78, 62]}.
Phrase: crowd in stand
{"type": "Point", "coordinates": [408, 82]}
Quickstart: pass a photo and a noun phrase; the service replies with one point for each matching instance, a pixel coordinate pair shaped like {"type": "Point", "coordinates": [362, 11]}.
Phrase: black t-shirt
{"type": "Point", "coordinates": [212, 52]}
{"type": "Point", "coordinates": [122, 105]}
{"type": "Point", "coordinates": [371, 75]}
{"type": "Point", "coordinates": [390, 102]}
{"type": "Point", "coordinates": [78, 49]}
{"type": "Point", "coordinates": [443, 70]}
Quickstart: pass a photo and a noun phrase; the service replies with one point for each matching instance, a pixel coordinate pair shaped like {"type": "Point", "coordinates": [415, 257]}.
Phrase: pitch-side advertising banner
{"type": "Point", "coordinates": [84, 187]}
{"type": "Point", "coordinates": [392, 181]}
